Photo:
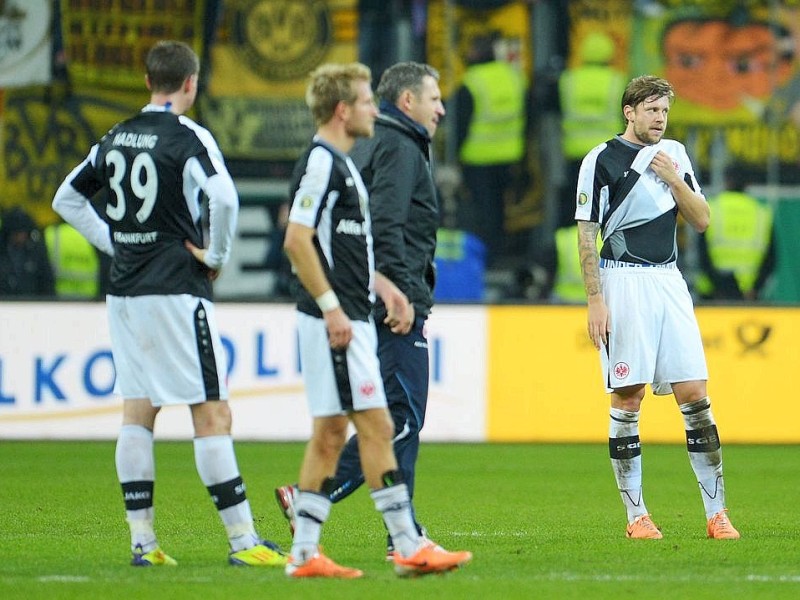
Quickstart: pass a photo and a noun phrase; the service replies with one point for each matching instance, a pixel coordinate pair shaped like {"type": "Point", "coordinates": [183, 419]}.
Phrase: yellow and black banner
{"type": "Point", "coordinates": [735, 68]}
{"type": "Point", "coordinates": [46, 133]}
{"type": "Point", "coordinates": [452, 28]}
{"type": "Point", "coordinates": [106, 41]}
{"type": "Point", "coordinates": [48, 130]}
{"type": "Point", "coordinates": [264, 53]}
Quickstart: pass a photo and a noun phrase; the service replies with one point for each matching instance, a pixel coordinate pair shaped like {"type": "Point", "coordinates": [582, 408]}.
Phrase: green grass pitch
{"type": "Point", "coordinates": [543, 521]}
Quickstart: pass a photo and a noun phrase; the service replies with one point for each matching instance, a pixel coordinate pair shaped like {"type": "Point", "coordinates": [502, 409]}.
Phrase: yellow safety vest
{"type": "Point", "coordinates": [737, 238]}
{"type": "Point", "coordinates": [74, 260]}
{"type": "Point", "coordinates": [497, 130]}
{"type": "Point", "coordinates": [568, 286]}
{"type": "Point", "coordinates": [590, 109]}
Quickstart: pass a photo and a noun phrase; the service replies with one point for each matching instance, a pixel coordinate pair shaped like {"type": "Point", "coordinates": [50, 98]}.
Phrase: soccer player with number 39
{"type": "Point", "coordinates": [151, 170]}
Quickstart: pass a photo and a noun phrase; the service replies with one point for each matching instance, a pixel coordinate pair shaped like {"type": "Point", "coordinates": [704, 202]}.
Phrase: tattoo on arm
{"type": "Point", "coordinates": [587, 250]}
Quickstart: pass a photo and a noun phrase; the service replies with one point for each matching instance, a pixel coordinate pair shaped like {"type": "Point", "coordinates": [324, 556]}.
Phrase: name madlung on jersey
{"type": "Point", "coordinates": [129, 139]}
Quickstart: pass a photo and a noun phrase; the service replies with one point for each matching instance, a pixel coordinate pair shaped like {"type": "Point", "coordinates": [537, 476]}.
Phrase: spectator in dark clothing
{"type": "Point", "coordinates": [276, 260]}
{"type": "Point", "coordinates": [387, 33]}
{"type": "Point", "coordinates": [24, 265]}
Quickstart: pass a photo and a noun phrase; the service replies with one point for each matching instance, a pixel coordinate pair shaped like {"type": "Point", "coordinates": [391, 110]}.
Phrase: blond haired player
{"type": "Point", "coordinates": [329, 243]}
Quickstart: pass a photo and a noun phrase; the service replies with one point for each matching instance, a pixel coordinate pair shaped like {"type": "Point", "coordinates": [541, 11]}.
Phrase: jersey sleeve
{"type": "Point", "coordinates": [72, 202]}
{"type": "Point", "coordinates": [223, 207]}
{"type": "Point", "coordinates": [588, 194]}
{"type": "Point", "coordinates": [310, 194]}
{"type": "Point", "coordinates": [687, 169]}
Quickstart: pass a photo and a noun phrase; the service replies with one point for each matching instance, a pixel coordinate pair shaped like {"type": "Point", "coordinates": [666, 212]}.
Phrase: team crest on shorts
{"type": "Point", "coordinates": [621, 370]}
{"type": "Point", "coordinates": [367, 389]}
{"type": "Point", "coordinates": [583, 198]}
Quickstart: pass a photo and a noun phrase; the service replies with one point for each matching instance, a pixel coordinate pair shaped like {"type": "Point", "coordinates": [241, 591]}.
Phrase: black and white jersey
{"type": "Point", "coordinates": [151, 170]}
{"type": "Point", "coordinates": [329, 195]}
{"type": "Point", "coordinates": [635, 209]}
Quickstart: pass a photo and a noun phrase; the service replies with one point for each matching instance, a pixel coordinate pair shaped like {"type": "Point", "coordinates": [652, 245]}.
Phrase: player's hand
{"type": "Point", "coordinates": [665, 168]}
{"type": "Point", "coordinates": [200, 255]}
{"type": "Point", "coordinates": [400, 319]}
{"type": "Point", "coordinates": [340, 329]}
{"type": "Point", "coordinates": [599, 322]}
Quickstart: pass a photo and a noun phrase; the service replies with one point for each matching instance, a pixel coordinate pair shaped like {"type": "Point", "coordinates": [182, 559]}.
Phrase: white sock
{"type": "Point", "coordinates": [395, 506]}
{"type": "Point", "coordinates": [626, 460]}
{"type": "Point", "coordinates": [216, 464]}
{"type": "Point", "coordinates": [136, 473]}
{"type": "Point", "coordinates": [312, 510]}
{"type": "Point", "coordinates": [705, 453]}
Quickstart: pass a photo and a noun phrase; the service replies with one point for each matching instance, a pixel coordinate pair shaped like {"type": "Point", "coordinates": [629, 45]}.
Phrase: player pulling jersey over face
{"type": "Point", "coordinates": [641, 318]}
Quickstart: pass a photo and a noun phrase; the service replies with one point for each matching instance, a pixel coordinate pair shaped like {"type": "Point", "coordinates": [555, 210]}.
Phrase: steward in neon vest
{"type": "Point", "coordinates": [75, 262]}
{"type": "Point", "coordinates": [737, 243]}
{"type": "Point", "coordinates": [496, 132]}
{"type": "Point", "coordinates": [589, 95]}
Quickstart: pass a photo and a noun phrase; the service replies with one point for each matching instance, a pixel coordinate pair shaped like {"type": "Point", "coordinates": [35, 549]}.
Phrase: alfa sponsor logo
{"type": "Point", "coordinates": [350, 227]}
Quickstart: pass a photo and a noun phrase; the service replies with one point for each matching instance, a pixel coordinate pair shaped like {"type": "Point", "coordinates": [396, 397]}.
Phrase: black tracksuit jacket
{"type": "Point", "coordinates": [396, 165]}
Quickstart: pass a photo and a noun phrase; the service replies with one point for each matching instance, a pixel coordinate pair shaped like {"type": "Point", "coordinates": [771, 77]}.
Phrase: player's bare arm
{"type": "Point", "coordinates": [587, 251]}
{"type": "Point", "coordinates": [399, 311]}
{"type": "Point", "coordinates": [598, 320]}
{"type": "Point", "coordinates": [299, 247]}
{"type": "Point", "coordinates": [692, 205]}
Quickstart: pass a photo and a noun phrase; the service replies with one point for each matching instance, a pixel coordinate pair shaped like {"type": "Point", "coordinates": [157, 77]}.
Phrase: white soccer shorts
{"type": "Point", "coordinates": [654, 335]}
{"type": "Point", "coordinates": [339, 382]}
{"type": "Point", "coordinates": [167, 348]}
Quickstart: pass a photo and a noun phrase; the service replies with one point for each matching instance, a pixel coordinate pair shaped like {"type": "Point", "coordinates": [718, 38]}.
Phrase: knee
{"type": "Point", "coordinates": [689, 391]}
{"type": "Point", "coordinates": [328, 441]}
{"type": "Point", "coordinates": [379, 427]}
{"type": "Point", "coordinates": [629, 399]}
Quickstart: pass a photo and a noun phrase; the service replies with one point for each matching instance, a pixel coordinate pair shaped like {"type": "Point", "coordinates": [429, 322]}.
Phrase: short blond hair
{"type": "Point", "coordinates": [333, 83]}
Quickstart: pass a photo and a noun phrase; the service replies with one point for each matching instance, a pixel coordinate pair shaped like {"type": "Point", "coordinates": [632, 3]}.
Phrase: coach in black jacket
{"type": "Point", "coordinates": [396, 165]}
